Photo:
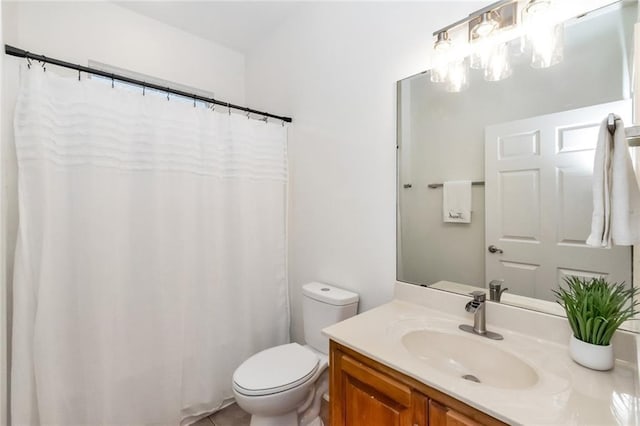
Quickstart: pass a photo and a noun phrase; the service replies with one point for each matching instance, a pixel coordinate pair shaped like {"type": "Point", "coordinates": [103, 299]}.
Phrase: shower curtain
{"type": "Point", "coordinates": [151, 253]}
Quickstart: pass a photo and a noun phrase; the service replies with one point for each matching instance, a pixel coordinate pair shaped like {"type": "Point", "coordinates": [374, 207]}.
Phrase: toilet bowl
{"type": "Point", "coordinates": [283, 385]}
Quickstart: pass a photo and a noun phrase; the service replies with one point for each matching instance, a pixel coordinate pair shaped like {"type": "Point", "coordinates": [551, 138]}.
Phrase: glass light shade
{"type": "Point", "coordinates": [498, 65]}
{"type": "Point", "coordinates": [486, 25]}
{"type": "Point", "coordinates": [440, 68]}
{"type": "Point", "coordinates": [458, 76]}
{"type": "Point", "coordinates": [481, 51]}
{"type": "Point", "coordinates": [547, 45]}
{"type": "Point", "coordinates": [439, 73]}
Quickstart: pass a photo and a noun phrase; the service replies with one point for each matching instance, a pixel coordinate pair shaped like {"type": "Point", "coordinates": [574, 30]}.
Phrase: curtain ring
{"type": "Point", "coordinates": [248, 115]}
{"type": "Point", "coordinates": [28, 62]}
{"type": "Point", "coordinates": [78, 75]}
{"type": "Point", "coordinates": [167, 93]}
{"type": "Point", "coordinates": [143, 89]}
{"type": "Point", "coordinates": [44, 65]}
{"type": "Point", "coordinates": [282, 123]}
{"type": "Point", "coordinates": [229, 107]}
{"type": "Point", "coordinates": [113, 83]}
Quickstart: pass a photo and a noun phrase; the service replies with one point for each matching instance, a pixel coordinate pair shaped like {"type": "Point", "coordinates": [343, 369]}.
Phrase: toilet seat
{"type": "Point", "coordinates": [275, 370]}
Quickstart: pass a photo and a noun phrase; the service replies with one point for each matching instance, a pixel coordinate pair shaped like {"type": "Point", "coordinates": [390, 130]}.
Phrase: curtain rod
{"type": "Point", "coordinates": [14, 51]}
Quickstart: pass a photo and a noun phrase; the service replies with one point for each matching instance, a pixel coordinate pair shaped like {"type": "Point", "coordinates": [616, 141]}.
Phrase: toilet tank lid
{"type": "Point", "coordinates": [329, 294]}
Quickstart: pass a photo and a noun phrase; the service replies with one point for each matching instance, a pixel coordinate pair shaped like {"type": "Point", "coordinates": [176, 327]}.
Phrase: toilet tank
{"type": "Point", "coordinates": [322, 306]}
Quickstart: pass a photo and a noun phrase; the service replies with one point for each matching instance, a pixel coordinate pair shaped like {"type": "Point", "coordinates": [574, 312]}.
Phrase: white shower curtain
{"type": "Point", "coordinates": [151, 253]}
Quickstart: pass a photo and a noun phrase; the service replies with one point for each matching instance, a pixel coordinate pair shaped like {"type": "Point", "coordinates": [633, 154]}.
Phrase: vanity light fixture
{"type": "Point", "coordinates": [483, 36]}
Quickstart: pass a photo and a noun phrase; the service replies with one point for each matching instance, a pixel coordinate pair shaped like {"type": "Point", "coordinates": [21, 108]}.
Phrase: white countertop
{"type": "Point", "coordinates": [565, 394]}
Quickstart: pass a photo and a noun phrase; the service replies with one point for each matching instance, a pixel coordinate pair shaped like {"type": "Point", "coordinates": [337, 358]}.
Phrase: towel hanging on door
{"type": "Point", "coordinates": [616, 197]}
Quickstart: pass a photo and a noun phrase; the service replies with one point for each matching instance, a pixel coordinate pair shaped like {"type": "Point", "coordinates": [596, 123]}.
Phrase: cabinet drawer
{"type": "Point", "coordinates": [440, 415]}
{"type": "Point", "coordinates": [382, 383]}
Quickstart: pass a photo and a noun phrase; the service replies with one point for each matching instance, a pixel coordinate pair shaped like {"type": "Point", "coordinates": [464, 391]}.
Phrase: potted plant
{"type": "Point", "coordinates": [595, 309]}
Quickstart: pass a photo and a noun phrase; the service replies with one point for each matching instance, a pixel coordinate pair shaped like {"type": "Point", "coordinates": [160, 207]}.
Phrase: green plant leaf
{"type": "Point", "coordinates": [596, 308]}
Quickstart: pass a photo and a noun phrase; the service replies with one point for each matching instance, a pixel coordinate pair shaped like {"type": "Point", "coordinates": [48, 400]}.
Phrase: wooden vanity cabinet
{"type": "Point", "coordinates": [364, 392]}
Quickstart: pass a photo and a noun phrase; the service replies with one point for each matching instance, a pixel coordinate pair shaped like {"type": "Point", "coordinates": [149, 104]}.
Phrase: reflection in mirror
{"type": "Point", "coordinates": [527, 142]}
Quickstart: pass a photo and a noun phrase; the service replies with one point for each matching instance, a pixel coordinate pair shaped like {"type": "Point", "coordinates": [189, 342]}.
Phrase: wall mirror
{"type": "Point", "coordinates": [527, 142]}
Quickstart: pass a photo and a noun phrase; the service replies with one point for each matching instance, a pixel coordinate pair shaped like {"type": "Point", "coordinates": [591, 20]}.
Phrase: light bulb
{"type": "Point", "coordinates": [481, 50]}
{"type": "Point", "coordinates": [498, 65]}
{"type": "Point", "coordinates": [438, 74]}
{"type": "Point", "coordinates": [547, 44]}
{"type": "Point", "coordinates": [458, 76]}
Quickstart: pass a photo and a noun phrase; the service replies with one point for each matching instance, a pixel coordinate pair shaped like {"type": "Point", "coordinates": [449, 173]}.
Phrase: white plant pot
{"type": "Point", "coordinates": [592, 356]}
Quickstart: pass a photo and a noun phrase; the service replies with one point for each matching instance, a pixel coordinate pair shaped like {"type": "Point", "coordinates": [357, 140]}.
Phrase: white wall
{"type": "Point", "coordinates": [333, 68]}
{"type": "Point", "coordinates": [104, 32]}
{"type": "Point", "coordinates": [107, 33]}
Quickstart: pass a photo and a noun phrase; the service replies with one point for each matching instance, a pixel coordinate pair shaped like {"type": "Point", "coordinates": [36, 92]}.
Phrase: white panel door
{"type": "Point", "coordinates": [538, 201]}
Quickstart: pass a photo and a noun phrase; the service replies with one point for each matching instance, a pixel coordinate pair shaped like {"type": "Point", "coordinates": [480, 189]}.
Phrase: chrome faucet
{"type": "Point", "coordinates": [478, 308]}
{"type": "Point", "coordinates": [495, 290]}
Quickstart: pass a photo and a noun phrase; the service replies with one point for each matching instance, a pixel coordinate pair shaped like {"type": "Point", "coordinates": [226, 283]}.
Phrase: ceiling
{"type": "Point", "coordinates": [235, 24]}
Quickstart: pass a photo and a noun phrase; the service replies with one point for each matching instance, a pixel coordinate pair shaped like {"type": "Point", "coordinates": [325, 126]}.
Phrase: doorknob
{"type": "Point", "coordinates": [494, 249]}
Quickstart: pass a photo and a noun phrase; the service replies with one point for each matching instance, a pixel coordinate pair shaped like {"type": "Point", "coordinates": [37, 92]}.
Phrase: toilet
{"type": "Point", "coordinates": [283, 385]}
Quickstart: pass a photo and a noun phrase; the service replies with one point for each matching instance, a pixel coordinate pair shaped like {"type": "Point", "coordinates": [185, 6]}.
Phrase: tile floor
{"type": "Point", "coordinates": [236, 416]}
{"type": "Point", "coordinates": [230, 416]}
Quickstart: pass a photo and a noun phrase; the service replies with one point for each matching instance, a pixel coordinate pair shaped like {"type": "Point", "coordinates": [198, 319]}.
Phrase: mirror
{"type": "Point", "coordinates": [527, 142]}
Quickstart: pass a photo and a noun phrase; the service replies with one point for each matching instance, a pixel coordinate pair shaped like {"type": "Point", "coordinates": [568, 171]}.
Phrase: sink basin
{"type": "Point", "coordinates": [471, 359]}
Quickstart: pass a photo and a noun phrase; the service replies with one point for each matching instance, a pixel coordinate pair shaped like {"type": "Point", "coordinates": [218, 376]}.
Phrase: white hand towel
{"type": "Point", "coordinates": [600, 219]}
{"type": "Point", "coordinates": [625, 195]}
{"type": "Point", "coordinates": [456, 201]}
{"type": "Point", "coordinates": [616, 197]}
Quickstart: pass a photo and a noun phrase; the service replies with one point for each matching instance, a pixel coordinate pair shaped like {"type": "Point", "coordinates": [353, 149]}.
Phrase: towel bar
{"type": "Point", "coordinates": [474, 183]}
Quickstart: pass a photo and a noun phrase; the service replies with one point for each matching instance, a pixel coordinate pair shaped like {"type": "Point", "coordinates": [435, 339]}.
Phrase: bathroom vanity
{"type": "Point", "coordinates": [366, 392]}
{"type": "Point", "coordinates": [408, 363]}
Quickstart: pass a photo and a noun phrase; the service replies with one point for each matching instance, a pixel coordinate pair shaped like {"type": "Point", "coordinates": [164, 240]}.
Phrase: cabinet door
{"type": "Point", "coordinates": [440, 415]}
{"type": "Point", "coordinates": [368, 397]}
